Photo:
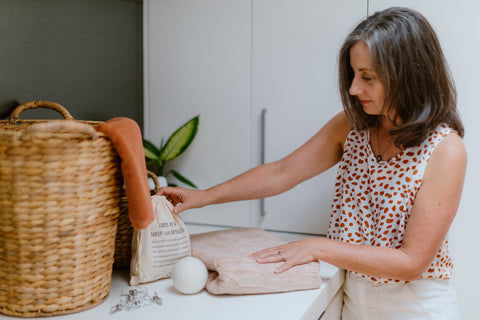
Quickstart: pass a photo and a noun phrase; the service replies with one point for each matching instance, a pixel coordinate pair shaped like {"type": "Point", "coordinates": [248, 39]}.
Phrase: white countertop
{"type": "Point", "coordinates": [305, 305]}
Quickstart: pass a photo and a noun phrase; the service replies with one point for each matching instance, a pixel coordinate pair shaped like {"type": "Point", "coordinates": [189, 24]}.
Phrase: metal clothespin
{"type": "Point", "coordinates": [134, 299]}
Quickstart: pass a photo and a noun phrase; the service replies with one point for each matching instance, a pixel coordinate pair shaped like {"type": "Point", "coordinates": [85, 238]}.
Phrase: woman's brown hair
{"type": "Point", "coordinates": [407, 56]}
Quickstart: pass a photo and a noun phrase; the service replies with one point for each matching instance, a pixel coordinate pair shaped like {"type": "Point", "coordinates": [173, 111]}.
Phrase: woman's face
{"type": "Point", "coordinates": [366, 84]}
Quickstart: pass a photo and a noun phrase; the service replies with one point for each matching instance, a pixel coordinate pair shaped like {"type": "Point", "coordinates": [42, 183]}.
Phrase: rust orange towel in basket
{"type": "Point", "coordinates": [127, 139]}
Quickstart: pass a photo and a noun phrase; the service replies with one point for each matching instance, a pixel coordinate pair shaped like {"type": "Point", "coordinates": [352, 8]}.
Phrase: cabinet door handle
{"type": "Point", "coordinates": [262, 155]}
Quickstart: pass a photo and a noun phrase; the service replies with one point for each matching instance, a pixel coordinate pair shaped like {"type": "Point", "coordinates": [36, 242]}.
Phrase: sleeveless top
{"type": "Point", "coordinates": [373, 200]}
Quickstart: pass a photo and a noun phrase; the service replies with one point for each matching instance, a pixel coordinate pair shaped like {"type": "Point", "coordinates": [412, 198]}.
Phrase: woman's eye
{"type": "Point", "coordinates": [366, 78]}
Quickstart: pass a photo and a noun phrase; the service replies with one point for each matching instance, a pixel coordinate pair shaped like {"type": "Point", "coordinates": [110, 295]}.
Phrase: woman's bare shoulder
{"type": "Point", "coordinates": [341, 126]}
{"type": "Point", "coordinates": [449, 157]}
{"type": "Point", "coordinates": [451, 149]}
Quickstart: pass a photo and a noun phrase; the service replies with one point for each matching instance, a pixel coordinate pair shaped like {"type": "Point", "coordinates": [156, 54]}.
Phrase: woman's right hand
{"type": "Point", "coordinates": [183, 198]}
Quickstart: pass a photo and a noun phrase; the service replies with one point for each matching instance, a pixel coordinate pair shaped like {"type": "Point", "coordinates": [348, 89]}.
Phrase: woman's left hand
{"type": "Point", "coordinates": [293, 253]}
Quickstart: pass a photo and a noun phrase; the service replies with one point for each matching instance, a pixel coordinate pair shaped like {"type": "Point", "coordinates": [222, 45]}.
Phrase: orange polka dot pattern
{"type": "Point", "coordinates": [373, 200]}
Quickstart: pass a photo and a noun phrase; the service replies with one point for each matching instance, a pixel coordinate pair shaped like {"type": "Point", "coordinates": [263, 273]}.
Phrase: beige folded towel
{"type": "Point", "coordinates": [225, 254]}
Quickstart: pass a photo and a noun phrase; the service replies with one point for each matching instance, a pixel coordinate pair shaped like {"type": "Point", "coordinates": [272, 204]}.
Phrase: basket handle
{"type": "Point", "coordinates": [14, 116]}
{"type": "Point", "coordinates": [69, 126]}
{"type": "Point", "coordinates": [155, 181]}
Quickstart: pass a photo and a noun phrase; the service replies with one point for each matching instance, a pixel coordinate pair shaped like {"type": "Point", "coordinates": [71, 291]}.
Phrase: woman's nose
{"type": "Point", "coordinates": [355, 89]}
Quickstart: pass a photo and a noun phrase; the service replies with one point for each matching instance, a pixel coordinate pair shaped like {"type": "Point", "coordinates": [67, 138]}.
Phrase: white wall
{"type": "Point", "coordinates": [464, 243]}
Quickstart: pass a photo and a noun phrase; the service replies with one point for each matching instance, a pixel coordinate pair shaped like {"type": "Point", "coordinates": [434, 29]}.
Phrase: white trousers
{"type": "Point", "coordinates": [420, 299]}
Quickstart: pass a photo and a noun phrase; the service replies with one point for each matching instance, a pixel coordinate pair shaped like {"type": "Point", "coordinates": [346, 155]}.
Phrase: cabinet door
{"type": "Point", "coordinates": [295, 50]}
{"type": "Point", "coordinates": [197, 61]}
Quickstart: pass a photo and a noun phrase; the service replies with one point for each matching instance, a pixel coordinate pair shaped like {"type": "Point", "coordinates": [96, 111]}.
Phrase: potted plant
{"type": "Point", "coordinates": [176, 144]}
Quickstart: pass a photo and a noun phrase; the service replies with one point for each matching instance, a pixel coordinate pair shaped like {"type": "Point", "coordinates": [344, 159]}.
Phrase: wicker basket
{"type": "Point", "coordinates": [60, 185]}
{"type": "Point", "coordinates": [123, 240]}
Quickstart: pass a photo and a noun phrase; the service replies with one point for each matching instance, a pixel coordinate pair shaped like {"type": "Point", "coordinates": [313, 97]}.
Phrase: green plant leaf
{"type": "Point", "coordinates": [180, 140]}
{"type": "Point", "coordinates": [151, 152]}
{"type": "Point", "coordinates": [155, 166]}
{"type": "Point", "coordinates": [161, 145]}
{"type": "Point", "coordinates": [183, 179]}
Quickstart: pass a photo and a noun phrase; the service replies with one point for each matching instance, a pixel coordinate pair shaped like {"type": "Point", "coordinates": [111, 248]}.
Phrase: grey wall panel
{"type": "Point", "coordinates": [83, 54]}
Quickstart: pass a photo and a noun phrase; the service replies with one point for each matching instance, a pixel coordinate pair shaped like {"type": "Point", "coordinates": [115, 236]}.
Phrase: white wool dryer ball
{"type": "Point", "coordinates": [189, 275]}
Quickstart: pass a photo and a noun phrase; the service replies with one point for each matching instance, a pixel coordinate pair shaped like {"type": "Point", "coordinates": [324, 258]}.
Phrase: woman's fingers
{"type": "Point", "coordinates": [293, 253]}
{"type": "Point", "coordinates": [284, 267]}
{"type": "Point", "coordinates": [183, 198]}
{"type": "Point", "coordinates": [178, 208]}
{"type": "Point", "coordinates": [273, 255]}
{"type": "Point", "coordinates": [269, 258]}
{"type": "Point", "coordinates": [175, 195]}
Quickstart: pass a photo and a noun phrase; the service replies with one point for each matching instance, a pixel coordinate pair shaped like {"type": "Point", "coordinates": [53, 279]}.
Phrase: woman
{"type": "Point", "coordinates": [401, 169]}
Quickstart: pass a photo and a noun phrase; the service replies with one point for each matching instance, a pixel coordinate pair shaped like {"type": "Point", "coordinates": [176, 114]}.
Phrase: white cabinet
{"type": "Point", "coordinates": [228, 60]}
{"type": "Point", "coordinates": [295, 50]}
{"type": "Point", "coordinates": [197, 61]}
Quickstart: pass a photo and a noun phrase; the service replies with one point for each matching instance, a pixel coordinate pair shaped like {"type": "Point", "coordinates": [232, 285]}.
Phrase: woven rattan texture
{"type": "Point", "coordinates": [59, 204]}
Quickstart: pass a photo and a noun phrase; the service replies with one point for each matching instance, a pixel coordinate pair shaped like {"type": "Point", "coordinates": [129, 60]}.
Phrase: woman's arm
{"type": "Point", "coordinates": [434, 209]}
{"type": "Point", "coordinates": [318, 154]}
